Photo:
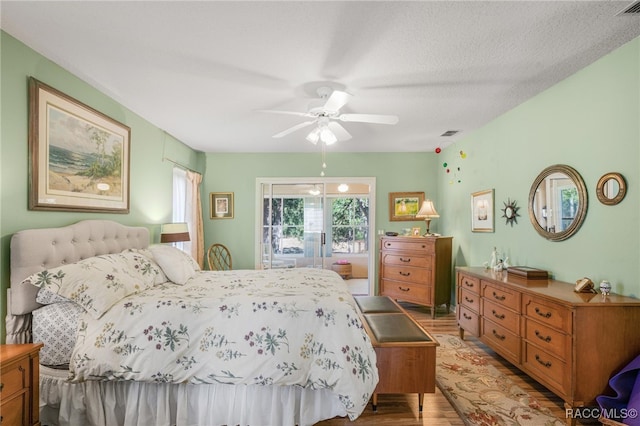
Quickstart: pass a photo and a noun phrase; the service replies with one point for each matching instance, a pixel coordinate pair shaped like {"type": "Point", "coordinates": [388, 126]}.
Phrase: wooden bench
{"type": "Point", "coordinates": [406, 352]}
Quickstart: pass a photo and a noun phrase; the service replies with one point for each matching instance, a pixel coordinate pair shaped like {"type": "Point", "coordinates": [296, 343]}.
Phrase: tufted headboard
{"type": "Point", "coordinates": [35, 250]}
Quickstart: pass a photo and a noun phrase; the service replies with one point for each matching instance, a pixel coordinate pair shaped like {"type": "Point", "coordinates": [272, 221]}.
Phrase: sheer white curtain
{"type": "Point", "coordinates": [187, 207]}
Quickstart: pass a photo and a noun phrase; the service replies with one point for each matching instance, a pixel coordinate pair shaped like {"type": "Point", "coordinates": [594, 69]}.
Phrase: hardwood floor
{"type": "Point", "coordinates": [402, 410]}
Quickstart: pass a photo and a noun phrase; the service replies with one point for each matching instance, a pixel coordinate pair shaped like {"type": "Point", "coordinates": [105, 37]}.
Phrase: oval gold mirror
{"type": "Point", "coordinates": [557, 202]}
{"type": "Point", "coordinates": [611, 189]}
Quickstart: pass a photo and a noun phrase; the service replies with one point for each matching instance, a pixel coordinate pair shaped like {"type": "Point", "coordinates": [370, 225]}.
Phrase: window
{"type": "Point", "coordinates": [287, 225]}
{"type": "Point", "coordinates": [350, 225]}
{"type": "Point", "coordinates": [179, 199]}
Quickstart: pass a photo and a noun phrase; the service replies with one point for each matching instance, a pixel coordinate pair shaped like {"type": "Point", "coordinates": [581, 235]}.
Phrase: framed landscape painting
{"type": "Point", "coordinates": [404, 205]}
{"type": "Point", "coordinates": [78, 157]}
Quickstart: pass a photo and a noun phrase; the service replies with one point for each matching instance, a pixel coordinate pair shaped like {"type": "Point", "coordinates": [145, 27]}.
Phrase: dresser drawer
{"type": "Point", "coordinates": [503, 296]}
{"type": "Point", "coordinates": [15, 379]}
{"type": "Point", "coordinates": [407, 260]}
{"type": "Point", "coordinates": [408, 244]}
{"type": "Point", "coordinates": [469, 283]}
{"type": "Point", "coordinates": [469, 300]}
{"type": "Point", "coordinates": [549, 339]}
{"type": "Point", "coordinates": [548, 313]}
{"type": "Point", "coordinates": [16, 410]}
{"type": "Point", "coordinates": [549, 370]}
{"type": "Point", "coordinates": [407, 274]}
{"type": "Point", "coordinates": [468, 320]}
{"type": "Point", "coordinates": [502, 340]}
{"type": "Point", "coordinates": [501, 315]}
{"type": "Point", "coordinates": [409, 292]}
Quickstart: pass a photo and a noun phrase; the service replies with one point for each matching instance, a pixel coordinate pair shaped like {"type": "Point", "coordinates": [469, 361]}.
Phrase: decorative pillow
{"type": "Point", "coordinates": [176, 264]}
{"type": "Point", "coordinates": [97, 283]}
{"type": "Point", "coordinates": [48, 297]}
{"type": "Point", "coordinates": [153, 266]}
{"type": "Point", "coordinates": [56, 326]}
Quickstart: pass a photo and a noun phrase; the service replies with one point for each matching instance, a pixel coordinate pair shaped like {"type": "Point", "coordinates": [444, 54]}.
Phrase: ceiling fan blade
{"type": "Point", "coordinates": [275, 111]}
{"type": "Point", "coordinates": [369, 118]}
{"type": "Point", "coordinates": [293, 129]}
{"type": "Point", "coordinates": [337, 100]}
{"type": "Point", "coordinates": [340, 132]}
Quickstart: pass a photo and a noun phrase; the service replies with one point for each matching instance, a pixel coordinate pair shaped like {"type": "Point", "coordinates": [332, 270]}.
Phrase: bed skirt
{"type": "Point", "coordinates": [101, 403]}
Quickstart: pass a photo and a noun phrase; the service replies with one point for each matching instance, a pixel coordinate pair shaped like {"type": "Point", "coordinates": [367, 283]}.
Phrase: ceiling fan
{"type": "Point", "coordinates": [324, 112]}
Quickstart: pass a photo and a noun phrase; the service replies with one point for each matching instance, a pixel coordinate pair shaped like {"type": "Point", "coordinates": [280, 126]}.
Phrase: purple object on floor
{"type": "Point", "coordinates": [626, 384]}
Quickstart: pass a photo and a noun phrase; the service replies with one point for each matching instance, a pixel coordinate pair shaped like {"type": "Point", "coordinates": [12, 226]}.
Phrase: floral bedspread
{"type": "Point", "coordinates": [273, 327]}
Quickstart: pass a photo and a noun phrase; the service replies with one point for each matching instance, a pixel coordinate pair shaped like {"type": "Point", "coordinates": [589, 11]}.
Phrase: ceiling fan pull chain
{"type": "Point", "coordinates": [324, 163]}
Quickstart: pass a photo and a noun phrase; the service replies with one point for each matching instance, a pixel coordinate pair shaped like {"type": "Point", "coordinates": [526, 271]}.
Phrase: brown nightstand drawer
{"type": "Point", "coordinates": [407, 260]}
{"type": "Point", "coordinates": [16, 410]}
{"type": "Point", "coordinates": [468, 283]}
{"type": "Point", "coordinates": [15, 379]}
{"type": "Point", "coordinates": [548, 313]}
{"type": "Point", "coordinates": [469, 300]}
{"type": "Point", "coordinates": [501, 315]}
{"type": "Point", "coordinates": [501, 295]}
{"type": "Point", "coordinates": [407, 274]}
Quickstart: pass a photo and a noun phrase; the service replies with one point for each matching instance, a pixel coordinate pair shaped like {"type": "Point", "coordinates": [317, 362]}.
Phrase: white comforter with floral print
{"type": "Point", "coordinates": [274, 327]}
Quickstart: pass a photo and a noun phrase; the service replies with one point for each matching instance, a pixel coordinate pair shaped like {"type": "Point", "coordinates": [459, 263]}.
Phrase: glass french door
{"type": "Point", "coordinates": [293, 225]}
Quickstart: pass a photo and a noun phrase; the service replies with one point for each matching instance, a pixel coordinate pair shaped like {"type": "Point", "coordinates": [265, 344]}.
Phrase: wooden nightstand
{"type": "Point", "coordinates": [19, 379]}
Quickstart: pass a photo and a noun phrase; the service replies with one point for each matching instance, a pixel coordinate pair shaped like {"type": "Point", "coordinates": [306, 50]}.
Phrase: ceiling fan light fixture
{"type": "Point", "coordinates": [327, 136]}
{"type": "Point", "coordinates": [314, 136]}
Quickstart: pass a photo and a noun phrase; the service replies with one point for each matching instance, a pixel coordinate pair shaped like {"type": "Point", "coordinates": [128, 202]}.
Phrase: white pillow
{"type": "Point", "coordinates": [97, 283]}
{"type": "Point", "coordinates": [177, 265]}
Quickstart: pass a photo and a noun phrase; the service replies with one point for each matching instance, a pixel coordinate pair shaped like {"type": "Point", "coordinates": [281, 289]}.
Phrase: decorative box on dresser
{"type": "Point", "coordinates": [570, 342]}
{"type": "Point", "coordinates": [19, 377]}
{"type": "Point", "coordinates": [416, 270]}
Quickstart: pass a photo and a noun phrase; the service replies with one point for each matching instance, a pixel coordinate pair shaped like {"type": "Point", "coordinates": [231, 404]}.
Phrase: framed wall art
{"type": "Point", "coordinates": [482, 216]}
{"type": "Point", "coordinates": [78, 157]}
{"type": "Point", "coordinates": [404, 205]}
{"type": "Point", "coordinates": [221, 205]}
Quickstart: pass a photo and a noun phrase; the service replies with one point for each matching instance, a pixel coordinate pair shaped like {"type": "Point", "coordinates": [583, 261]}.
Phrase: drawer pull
{"type": "Point", "coordinates": [468, 284]}
{"type": "Point", "coordinates": [499, 336]}
{"type": "Point", "coordinates": [1, 386]}
{"type": "Point", "coordinates": [402, 259]}
{"type": "Point", "coordinates": [466, 316]}
{"type": "Point", "coordinates": [539, 336]}
{"type": "Point", "coordinates": [404, 274]}
{"type": "Point", "coordinates": [499, 316]}
{"type": "Point", "coordinates": [543, 363]}
{"type": "Point", "coordinates": [495, 296]}
{"type": "Point", "coordinates": [468, 300]}
{"type": "Point", "coordinates": [544, 315]}
{"type": "Point", "coordinates": [404, 289]}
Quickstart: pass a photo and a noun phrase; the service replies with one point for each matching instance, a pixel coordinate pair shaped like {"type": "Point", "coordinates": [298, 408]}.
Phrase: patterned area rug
{"type": "Point", "coordinates": [480, 393]}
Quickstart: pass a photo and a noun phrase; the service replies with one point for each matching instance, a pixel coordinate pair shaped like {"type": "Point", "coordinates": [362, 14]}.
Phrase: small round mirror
{"type": "Point", "coordinates": [557, 202]}
{"type": "Point", "coordinates": [611, 189]}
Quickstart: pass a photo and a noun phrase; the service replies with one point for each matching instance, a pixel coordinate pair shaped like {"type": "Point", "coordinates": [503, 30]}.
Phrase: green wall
{"type": "Point", "coordinates": [589, 121]}
{"type": "Point", "coordinates": [150, 176]}
{"type": "Point", "coordinates": [237, 173]}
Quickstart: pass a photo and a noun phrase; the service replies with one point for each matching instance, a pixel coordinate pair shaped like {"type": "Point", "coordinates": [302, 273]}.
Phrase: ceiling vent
{"type": "Point", "coordinates": [450, 133]}
{"type": "Point", "coordinates": [632, 9]}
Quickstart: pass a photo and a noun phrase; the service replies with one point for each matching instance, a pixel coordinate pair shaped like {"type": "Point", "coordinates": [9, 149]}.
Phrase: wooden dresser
{"type": "Point", "coordinates": [570, 342]}
{"type": "Point", "coordinates": [417, 270]}
{"type": "Point", "coordinates": [19, 374]}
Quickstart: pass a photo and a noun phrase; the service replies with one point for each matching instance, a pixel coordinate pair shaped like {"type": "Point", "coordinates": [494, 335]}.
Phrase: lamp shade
{"type": "Point", "coordinates": [427, 210]}
{"type": "Point", "coordinates": [174, 232]}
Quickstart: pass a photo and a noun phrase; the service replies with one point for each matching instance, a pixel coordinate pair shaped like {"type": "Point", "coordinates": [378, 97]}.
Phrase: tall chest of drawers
{"type": "Point", "coordinates": [570, 342]}
{"type": "Point", "coordinates": [19, 388]}
{"type": "Point", "coordinates": [416, 269]}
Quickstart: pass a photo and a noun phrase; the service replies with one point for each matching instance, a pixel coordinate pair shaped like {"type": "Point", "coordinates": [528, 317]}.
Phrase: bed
{"type": "Point", "coordinates": [139, 335]}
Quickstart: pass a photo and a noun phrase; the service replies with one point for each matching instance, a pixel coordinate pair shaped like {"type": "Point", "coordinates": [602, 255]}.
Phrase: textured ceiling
{"type": "Point", "coordinates": [200, 70]}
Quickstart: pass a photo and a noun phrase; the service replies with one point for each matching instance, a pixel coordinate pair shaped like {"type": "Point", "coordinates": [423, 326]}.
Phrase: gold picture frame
{"type": "Point", "coordinates": [78, 157]}
{"type": "Point", "coordinates": [482, 211]}
{"type": "Point", "coordinates": [403, 206]}
{"type": "Point", "coordinates": [221, 205]}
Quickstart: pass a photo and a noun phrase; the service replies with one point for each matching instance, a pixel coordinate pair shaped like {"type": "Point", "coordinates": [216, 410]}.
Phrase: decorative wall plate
{"type": "Point", "coordinates": [510, 212]}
